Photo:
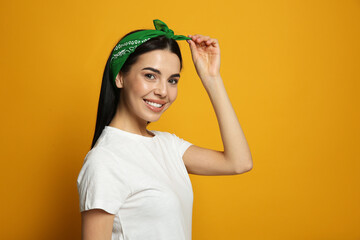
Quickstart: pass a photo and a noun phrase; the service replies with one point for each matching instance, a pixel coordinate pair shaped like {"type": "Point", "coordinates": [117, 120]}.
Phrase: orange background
{"type": "Point", "coordinates": [291, 69]}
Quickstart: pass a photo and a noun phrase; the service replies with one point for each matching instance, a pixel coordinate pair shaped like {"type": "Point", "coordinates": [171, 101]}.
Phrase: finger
{"type": "Point", "coordinates": [213, 42]}
{"type": "Point", "coordinates": [194, 37]}
{"type": "Point", "coordinates": [205, 41]}
{"type": "Point", "coordinates": [191, 44]}
{"type": "Point", "coordinates": [197, 37]}
{"type": "Point", "coordinates": [210, 41]}
{"type": "Point", "coordinates": [202, 39]}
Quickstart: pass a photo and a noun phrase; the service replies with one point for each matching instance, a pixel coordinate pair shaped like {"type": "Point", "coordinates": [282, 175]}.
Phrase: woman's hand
{"type": "Point", "coordinates": [205, 52]}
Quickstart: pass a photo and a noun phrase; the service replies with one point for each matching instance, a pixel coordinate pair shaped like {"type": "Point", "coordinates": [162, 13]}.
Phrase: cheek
{"type": "Point", "coordinates": [173, 94]}
{"type": "Point", "coordinates": [140, 87]}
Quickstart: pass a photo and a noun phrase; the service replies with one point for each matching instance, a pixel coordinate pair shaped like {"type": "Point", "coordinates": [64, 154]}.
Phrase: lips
{"type": "Point", "coordinates": [154, 108]}
{"type": "Point", "coordinates": [156, 101]}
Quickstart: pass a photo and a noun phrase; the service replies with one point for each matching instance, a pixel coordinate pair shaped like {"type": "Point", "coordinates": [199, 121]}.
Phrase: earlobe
{"type": "Point", "coordinates": [119, 80]}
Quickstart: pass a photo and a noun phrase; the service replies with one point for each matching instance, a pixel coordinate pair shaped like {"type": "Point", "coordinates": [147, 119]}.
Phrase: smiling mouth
{"type": "Point", "coordinates": [157, 105]}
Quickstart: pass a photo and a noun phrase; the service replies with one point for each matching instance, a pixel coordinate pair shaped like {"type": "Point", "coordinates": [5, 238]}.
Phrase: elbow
{"type": "Point", "coordinates": [250, 166]}
{"type": "Point", "coordinates": [245, 167]}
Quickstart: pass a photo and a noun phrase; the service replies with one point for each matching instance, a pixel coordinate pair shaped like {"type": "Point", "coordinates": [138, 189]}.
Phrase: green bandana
{"type": "Point", "coordinates": [128, 44]}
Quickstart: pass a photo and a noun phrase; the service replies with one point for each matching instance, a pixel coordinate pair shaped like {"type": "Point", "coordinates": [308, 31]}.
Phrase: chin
{"type": "Point", "coordinates": [153, 119]}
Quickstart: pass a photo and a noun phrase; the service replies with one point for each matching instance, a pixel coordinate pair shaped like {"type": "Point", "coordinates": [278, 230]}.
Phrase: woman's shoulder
{"type": "Point", "coordinates": [160, 133]}
{"type": "Point", "coordinates": [163, 134]}
{"type": "Point", "coordinates": [98, 154]}
{"type": "Point", "coordinates": [169, 136]}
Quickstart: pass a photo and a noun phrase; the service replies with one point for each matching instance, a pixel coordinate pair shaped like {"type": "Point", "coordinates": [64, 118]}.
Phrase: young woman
{"type": "Point", "coordinates": [134, 182]}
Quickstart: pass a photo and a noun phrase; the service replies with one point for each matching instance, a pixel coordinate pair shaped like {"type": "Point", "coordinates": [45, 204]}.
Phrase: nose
{"type": "Point", "coordinates": [161, 89]}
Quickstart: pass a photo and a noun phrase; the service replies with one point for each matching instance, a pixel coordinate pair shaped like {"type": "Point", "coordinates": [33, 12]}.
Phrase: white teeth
{"type": "Point", "coordinates": [153, 104]}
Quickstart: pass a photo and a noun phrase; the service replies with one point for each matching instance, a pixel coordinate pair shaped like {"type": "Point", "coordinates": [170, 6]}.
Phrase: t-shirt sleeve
{"type": "Point", "coordinates": [181, 144]}
{"type": "Point", "coordinates": [101, 182]}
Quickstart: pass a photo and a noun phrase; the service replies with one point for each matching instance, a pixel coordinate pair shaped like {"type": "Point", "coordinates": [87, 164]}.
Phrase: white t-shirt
{"type": "Point", "coordinates": [143, 181]}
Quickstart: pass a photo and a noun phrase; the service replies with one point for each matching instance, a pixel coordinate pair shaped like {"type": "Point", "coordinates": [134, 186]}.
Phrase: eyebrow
{"type": "Point", "coordinates": [157, 71]}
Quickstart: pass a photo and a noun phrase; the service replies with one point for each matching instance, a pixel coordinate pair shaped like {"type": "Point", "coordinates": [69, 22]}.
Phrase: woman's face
{"type": "Point", "coordinates": [150, 87]}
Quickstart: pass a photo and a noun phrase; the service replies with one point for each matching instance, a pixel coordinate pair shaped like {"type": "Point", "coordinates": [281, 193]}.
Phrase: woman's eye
{"type": "Point", "coordinates": [173, 81]}
{"type": "Point", "coordinates": [150, 76]}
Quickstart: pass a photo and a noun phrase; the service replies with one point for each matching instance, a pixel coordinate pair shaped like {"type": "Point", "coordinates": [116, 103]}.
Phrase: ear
{"type": "Point", "coordinates": [119, 80]}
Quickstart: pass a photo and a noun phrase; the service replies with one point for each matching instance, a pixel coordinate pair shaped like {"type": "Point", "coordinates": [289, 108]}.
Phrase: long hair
{"type": "Point", "coordinates": [110, 95]}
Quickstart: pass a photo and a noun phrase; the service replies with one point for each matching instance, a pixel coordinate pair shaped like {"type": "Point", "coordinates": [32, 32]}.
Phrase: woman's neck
{"type": "Point", "coordinates": [124, 121]}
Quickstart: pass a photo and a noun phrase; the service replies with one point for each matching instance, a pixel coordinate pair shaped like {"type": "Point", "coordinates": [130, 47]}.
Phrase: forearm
{"type": "Point", "coordinates": [236, 148]}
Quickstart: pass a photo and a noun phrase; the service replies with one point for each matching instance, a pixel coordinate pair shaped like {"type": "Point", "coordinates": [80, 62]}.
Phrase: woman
{"type": "Point", "coordinates": [134, 183]}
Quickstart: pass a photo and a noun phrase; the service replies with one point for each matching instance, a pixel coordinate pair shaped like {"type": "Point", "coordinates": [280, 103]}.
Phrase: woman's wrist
{"type": "Point", "coordinates": [211, 83]}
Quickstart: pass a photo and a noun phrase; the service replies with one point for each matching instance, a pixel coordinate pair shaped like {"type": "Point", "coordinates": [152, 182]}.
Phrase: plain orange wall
{"type": "Point", "coordinates": [291, 69]}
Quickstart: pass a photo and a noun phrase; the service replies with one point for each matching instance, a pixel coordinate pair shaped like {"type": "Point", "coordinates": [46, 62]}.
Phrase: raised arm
{"type": "Point", "coordinates": [236, 157]}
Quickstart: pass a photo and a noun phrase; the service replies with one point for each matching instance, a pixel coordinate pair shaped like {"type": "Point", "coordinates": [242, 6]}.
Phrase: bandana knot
{"type": "Point", "coordinates": [161, 26]}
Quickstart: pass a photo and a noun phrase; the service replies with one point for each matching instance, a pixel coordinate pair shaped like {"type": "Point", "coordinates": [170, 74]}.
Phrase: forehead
{"type": "Point", "coordinates": [163, 60]}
